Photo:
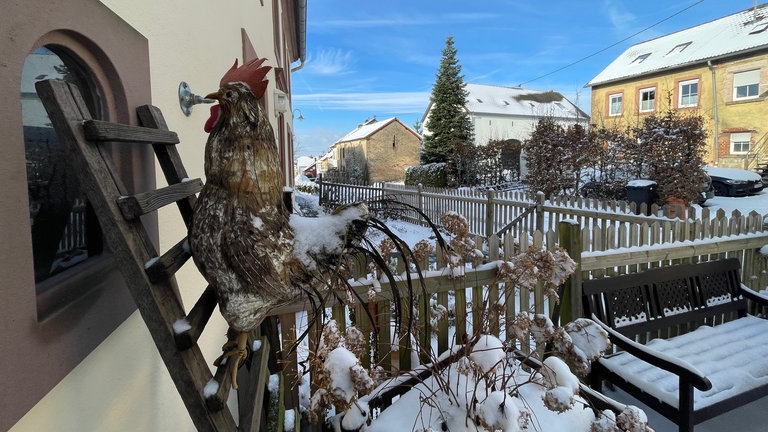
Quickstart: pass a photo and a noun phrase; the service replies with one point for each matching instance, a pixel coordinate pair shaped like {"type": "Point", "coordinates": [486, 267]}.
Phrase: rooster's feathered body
{"type": "Point", "coordinates": [240, 236]}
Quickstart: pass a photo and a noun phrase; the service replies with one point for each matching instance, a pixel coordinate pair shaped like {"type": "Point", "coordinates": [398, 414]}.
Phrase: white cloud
{"type": "Point", "coordinates": [316, 141]}
{"type": "Point", "coordinates": [621, 20]}
{"type": "Point", "coordinates": [330, 62]}
{"type": "Point", "coordinates": [392, 102]}
{"type": "Point", "coordinates": [375, 22]}
{"type": "Point", "coordinates": [397, 20]}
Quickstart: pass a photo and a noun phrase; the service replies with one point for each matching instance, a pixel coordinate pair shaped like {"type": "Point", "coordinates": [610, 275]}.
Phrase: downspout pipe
{"type": "Point", "coordinates": [301, 29]}
{"type": "Point", "coordinates": [714, 112]}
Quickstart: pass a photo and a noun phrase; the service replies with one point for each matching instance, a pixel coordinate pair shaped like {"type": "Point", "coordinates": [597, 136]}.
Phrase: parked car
{"type": "Point", "coordinates": [734, 182]}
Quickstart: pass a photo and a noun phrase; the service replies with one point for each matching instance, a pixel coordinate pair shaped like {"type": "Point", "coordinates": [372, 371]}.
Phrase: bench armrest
{"type": "Point", "coordinates": [753, 295]}
{"type": "Point", "coordinates": [686, 371]}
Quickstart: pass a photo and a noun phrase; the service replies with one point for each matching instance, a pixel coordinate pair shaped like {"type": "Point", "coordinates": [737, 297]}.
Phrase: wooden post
{"type": "Point", "coordinates": [420, 201]}
{"type": "Point", "coordinates": [570, 305]}
{"type": "Point", "coordinates": [489, 218]}
{"type": "Point", "coordinates": [320, 188]}
{"type": "Point", "coordinates": [290, 370]}
{"type": "Point", "coordinates": [540, 198]}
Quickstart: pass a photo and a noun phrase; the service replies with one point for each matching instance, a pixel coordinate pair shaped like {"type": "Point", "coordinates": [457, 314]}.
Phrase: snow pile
{"type": "Point", "coordinates": [487, 390]}
{"type": "Point", "coordinates": [323, 235]}
{"type": "Point", "coordinates": [341, 379]}
{"type": "Point", "coordinates": [562, 385]}
{"type": "Point", "coordinates": [211, 387]}
{"type": "Point", "coordinates": [181, 325]}
{"type": "Point", "coordinates": [488, 354]}
{"type": "Point", "coordinates": [499, 411]}
{"type": "Point", "coordinates": [337, 368]}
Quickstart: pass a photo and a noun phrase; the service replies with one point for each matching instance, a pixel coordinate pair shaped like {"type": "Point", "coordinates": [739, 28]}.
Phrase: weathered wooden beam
{"type": "Point", "coordinates": [168, 157]}
{"type": "Point", "coordinates": [216, 391]}
{"type": "Point", "coordinates": [188, 330]}
{"type": "Point", "coordinates": [98, 130]}
{"type": "Point", "coordinates": [162, 268]}
{"type": "Point", "coordinates": [134, 206]}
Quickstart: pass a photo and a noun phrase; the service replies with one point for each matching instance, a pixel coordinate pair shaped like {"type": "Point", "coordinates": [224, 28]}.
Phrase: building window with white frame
{"type": "Point", "coordinates": [615, 104]}
{"type": "Point", "coordinates": [688, 93]}
{"type": "Point", "coordinates": [740, 142]}
{"type": "Point", "coordinates": [746, 84]}
{"type": "Point", "coordinates": [647, 99]}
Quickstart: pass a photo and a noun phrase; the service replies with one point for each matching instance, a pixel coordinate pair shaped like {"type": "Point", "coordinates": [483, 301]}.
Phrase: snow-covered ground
{"type": "Point", "coordinates": [758, 203]}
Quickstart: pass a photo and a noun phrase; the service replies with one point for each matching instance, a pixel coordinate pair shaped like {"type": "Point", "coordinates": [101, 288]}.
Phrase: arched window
{"type": "Point", "coordinates": [65, 232]}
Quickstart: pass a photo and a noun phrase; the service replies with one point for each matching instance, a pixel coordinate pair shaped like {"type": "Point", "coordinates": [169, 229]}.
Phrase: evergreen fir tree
{"type": "Point", "coordinates": [449, 124]}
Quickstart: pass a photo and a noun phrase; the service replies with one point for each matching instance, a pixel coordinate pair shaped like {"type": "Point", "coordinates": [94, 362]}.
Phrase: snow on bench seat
{"type": "Point", "coordinates": [733, 355]}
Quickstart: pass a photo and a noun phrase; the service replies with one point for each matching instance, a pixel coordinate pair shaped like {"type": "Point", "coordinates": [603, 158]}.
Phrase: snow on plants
{"type": "Point", "coordinates": [323, 234]}
{"type": "Point", "coordinates": [340, 376]}
{"type": "Point", "coordinates": [462, 246]}
{"type": "Point", "coordinates": [562, 385]}
{"type": "Point", "coordinates": [481, 385]}
{"type": "Point", "coordinates": [488, 354]}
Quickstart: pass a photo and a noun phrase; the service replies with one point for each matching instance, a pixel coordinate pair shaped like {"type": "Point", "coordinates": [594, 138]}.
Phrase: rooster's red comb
{"type": "Point", "coordinates": [251, 73]}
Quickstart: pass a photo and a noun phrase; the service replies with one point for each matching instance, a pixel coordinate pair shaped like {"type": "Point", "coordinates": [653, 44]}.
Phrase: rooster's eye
{"type": "Point", "coordinates": [229, 94]}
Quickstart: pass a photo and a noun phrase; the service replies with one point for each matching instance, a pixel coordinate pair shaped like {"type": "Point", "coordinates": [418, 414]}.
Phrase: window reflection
{"type": "Point", "coordinates": [64, 231]}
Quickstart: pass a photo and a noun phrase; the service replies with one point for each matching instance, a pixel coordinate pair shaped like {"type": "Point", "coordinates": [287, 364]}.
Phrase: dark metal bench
{"type": "Point", "coordinates": [682, 334]}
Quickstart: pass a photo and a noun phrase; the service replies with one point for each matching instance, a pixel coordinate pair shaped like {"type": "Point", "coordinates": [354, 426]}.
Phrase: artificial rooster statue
{"type": "Point", "coordinates": [240, 236]}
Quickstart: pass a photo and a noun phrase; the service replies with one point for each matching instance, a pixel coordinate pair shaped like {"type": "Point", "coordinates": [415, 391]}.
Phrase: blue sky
{"type": "Point", "coordinates": [367, 58]}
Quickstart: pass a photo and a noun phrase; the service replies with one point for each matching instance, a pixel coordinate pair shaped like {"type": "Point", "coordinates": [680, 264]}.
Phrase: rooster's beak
{"type": "Point", "coordinates": [214, 96]}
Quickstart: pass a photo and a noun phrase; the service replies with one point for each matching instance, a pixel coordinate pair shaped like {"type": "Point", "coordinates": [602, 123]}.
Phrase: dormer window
{"type": "Point", "coordinates": [679, 48]}
{"type": "Point", "coordinates": [759, 28]}
{"type": "Point", "coordinates": [641, 58]}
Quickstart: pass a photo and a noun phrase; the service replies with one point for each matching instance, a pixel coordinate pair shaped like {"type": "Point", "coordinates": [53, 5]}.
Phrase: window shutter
{"type": "Point", "coordinates": [746, 78]}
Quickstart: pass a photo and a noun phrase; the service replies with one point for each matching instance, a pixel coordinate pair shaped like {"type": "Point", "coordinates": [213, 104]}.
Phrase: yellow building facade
{"type": "Point", "coordinates": [718, 70]}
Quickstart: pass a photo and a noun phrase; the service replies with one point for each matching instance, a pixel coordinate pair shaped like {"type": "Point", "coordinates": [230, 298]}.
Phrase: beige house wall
{"type": "Point", "coordinates": [390, 151]}
{"type": "Point", "coordinates": [387, 152]}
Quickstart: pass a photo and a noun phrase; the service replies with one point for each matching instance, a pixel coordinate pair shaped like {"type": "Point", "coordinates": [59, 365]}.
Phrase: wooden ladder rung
{"type": "Point", "coordinates": [253, 370]}
{"type": "Point", "coordinates": [165, 266]}
{"type": "Point", "coordinates": [188, 330]}
{"type": "Point", "coordinates": [134, 206]}
{"type": "Point", "coordinates": [217, 400]}
{"type": "Point", "coordinates": [98, 130]}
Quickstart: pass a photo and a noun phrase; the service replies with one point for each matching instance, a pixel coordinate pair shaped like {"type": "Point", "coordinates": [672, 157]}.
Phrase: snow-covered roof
{"type": "Point", "coordinates": [741, 32]}
{"type": "Point", "coordinates": [369, 128]}
{"type": "Point", "coordinates": [490, 99]}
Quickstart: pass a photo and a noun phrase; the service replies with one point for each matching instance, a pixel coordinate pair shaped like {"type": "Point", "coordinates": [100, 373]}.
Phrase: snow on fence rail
{"type": "Point", "coordinates": [520, 213]}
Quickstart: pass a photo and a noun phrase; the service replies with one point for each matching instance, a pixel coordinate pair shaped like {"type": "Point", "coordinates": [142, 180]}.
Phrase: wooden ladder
{"type": "Point", "coordinates": [150, 277]}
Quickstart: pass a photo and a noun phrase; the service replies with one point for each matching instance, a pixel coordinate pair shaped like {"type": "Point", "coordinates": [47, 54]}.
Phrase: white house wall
{"type": "Point", "coordinates": [489, 127]}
